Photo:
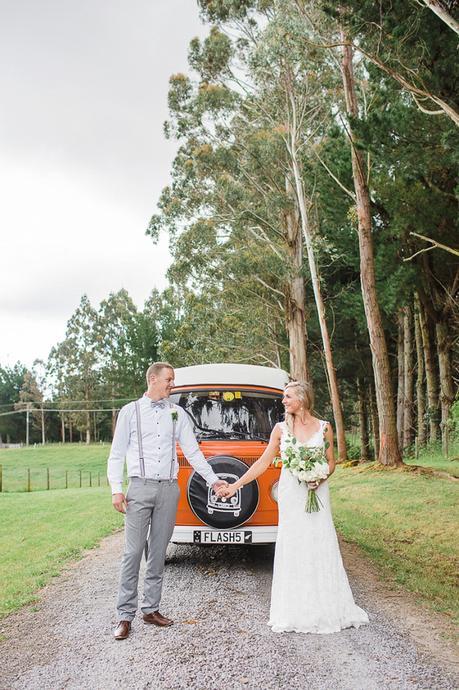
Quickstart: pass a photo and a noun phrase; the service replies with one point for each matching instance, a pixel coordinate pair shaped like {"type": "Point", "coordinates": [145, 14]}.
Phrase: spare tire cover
{"type": "Point", "coordinates": [219, 512]}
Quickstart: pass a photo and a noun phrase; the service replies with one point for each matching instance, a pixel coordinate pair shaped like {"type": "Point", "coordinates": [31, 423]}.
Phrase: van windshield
{"type": "Point", "coordinates": [231, 413]}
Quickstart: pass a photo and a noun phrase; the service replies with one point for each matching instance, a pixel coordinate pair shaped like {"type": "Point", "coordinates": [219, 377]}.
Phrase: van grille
{"type": "Point", "coordinates": [183, 462]}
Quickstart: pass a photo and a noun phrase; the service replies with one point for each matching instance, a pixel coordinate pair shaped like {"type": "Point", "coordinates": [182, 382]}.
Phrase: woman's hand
{"type": "Point", "coordinates": [313, 485]}
{"type": "Point", "coordinates": [227, 491]}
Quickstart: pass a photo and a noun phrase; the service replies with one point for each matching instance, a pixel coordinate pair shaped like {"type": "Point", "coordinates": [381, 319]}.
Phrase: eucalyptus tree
{"type": "Point", "coordinates": [409, 165]}
{"type": "Point", "coordinates": [445, 11]}
{"type": "Point", "coordinates": [405, 42]}
{"type": "Point", "coordinates": [30, 399]}
{"type": "Point", "coordinates": [74, 364]}
{"type": "Point", "coordinates": [228, 211]}
{"type": "Point", "coordinates": [294, 104]}
{"type": "Point", "coordinates": [11, 383]}
{"type": "Point", "coordinates": [241, 157]}
{"type": "Point", "coordinates": [116, 317]}
{"type": "Point", "coordinates": [128, 344]}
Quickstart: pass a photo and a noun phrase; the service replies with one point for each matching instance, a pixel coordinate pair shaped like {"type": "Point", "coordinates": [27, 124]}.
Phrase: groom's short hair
{"type": "Point", "coordinates": [155, 368]}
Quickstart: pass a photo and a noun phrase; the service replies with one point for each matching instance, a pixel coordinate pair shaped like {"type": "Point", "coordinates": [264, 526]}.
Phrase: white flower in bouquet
{"type": "Point", "coordinates": [307, 464]}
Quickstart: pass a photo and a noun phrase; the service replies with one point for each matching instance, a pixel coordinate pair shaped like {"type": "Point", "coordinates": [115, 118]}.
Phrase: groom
{"type": "Point", "coordinates": [145, 434]}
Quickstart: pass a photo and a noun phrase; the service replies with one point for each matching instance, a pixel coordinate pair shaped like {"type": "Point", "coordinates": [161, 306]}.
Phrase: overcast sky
{"type": "Point", "coordinates": [83, 157]}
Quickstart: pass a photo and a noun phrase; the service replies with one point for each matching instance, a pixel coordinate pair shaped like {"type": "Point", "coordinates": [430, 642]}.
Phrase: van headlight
{"type": "Point", "coordinates": [275, 490]}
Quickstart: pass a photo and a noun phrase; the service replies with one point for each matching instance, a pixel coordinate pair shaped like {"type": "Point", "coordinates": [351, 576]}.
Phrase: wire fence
{"type": "Point", "coordinates": [25, 479]}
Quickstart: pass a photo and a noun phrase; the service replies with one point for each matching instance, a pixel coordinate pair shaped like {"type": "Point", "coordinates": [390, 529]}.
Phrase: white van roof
{"type": "Point", "coordinates": [231, 374]}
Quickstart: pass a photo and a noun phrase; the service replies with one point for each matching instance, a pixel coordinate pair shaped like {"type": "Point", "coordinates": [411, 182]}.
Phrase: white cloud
{"type": "Point", "coordinates": [84, 157]}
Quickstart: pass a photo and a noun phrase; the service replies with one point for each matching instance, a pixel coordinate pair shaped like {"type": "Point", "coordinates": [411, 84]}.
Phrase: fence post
{"type": "Point", "coordinates": [98, 479]}
{"type": "Point", "coordinates": [90, 479]}
{"type": "Point", "coordinates": [66, 479]}
{"type": "Point", "coordinates": [80, 479]}
{"type": "Point", "coordinates": [1, 478]}
{"type": "Point", "coordinates": [47, 478]}
{"type": "Point", "coordinates": [29, 484]}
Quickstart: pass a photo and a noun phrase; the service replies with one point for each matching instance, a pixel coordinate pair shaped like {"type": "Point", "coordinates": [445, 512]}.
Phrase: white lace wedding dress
{"type": "Point", "coordinates": [310, 589]}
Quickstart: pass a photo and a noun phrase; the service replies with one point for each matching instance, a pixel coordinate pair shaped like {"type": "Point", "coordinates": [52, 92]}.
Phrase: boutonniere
{"type": "Point", "coordinates": [174, 415]}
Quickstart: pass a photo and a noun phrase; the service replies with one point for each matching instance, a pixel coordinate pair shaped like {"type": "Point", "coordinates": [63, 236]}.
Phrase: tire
{"type": "Point", "coordinates": [222, 514]}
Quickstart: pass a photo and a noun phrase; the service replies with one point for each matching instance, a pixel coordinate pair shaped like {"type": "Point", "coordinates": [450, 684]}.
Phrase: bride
{"type": "Point", "coordinates": [310, 589]}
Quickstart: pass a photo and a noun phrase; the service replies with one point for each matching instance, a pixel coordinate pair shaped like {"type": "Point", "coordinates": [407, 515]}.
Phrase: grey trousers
{"type": "Point", "coordinates": [148, 501]}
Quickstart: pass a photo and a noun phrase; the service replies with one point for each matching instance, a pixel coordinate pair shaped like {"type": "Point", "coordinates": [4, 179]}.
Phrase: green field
{"type": "Point", "coordinates": [59, 459]}
{"type": "Point", "coordinates": [405, 522]}
{"type": "Point", "coordinates": [433, 457]}
{"type": "Point", "coordinates": [91, 461]}
{"type": "Point", "coordinates": [41, 531]}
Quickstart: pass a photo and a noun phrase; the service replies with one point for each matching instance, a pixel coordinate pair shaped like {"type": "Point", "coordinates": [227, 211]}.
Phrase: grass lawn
{"type": "Point", "coordinates": [407, 524]}
{"type": "Point", "coordinates": [41, 531]}
{"type": "Point", "coordinates": [70, 458]}
{"type": "Point", "coordinates": [432, 456]}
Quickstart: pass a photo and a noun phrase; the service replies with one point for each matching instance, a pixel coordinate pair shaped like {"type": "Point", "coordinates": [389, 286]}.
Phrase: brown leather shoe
{"type": "Point", "coordinates": [122, 630]}
{"type": "Point", "coordinates": [157, 619]}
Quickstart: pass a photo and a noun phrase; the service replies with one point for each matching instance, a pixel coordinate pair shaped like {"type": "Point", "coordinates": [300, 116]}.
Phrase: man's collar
{"type": "Point", "coordinates": [146, 400]}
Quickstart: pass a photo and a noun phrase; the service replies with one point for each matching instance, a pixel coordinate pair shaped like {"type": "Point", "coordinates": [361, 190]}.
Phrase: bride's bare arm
{"type": "Point", "coordinates": [330, 452]}
{"type": "Point", "coordinates": [258, 467]}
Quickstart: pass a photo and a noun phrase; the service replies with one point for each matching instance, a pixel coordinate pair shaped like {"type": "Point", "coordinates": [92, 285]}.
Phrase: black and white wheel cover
{"type": "Point", "coordinates": [219, 512]}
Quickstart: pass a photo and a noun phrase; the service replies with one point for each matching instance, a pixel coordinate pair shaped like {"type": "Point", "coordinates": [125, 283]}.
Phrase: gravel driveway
{"type": "Point", "coordinates": [219, 598]}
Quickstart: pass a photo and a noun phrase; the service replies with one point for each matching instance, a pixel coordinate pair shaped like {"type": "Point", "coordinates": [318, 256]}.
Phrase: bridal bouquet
{"type": "Point", "coordinates": [307, 465]}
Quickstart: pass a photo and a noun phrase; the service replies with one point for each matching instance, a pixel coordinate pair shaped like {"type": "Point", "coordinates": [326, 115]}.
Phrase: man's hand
{"type": "Point", "coordinates": [119, 502]}
{"type": "Point", "coordinates": [227, 491]}
{"type": "Point", "coordinates": [221, 484]}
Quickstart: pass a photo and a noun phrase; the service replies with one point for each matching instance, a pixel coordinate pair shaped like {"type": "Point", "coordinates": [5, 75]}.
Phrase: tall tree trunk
{"type": "Point", "coordinates": [374, 419]}
{"type": "Point", "coordinates": [62, 428]}
{"type": "Point", "coordinates": [88, 418]}
{"type": "Point", "coordinates": [43, 439]}
{"type": "Point", "coordinates": [363, 420]}
{"type": "Point", "coordinates": [408, 376]}
{"type": "Point", "coordinates": [400, 378]}
{"type": "Point", "coordinates": [420, 390]}
{"type": "Point", "coordinates": [307, 233]}
{"type": "Point", "coordinates": [88, 428]}
{"type": "Point", "coordinates": [295, 298]}
{"type": "Point", "coordinates": [27, 423]}
{"type": "Point", "coordinates": [389, 452]}
{"type": "Point", "coordinates": [431, 374]}
{"type": "Point", "coordinates": [70, 430]}
{"type": "Point", "coordinates": [441, 12]}
{"type": "Point", "coordinates": [446, 379]}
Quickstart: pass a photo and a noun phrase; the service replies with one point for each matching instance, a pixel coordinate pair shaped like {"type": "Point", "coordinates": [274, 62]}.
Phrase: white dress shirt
{"type": "Point", "coordinates": [156, 425]}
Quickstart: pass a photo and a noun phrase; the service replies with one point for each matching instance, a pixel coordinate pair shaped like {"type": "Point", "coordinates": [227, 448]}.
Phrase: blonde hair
{"type": "Point", "coordinates": [304, 393]}
{"type": "Point", "coordinates": [155, 368]}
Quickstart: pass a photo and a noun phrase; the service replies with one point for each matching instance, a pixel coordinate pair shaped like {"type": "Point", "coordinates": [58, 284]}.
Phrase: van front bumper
{"type": "Point", "coordinates": [184, 534]}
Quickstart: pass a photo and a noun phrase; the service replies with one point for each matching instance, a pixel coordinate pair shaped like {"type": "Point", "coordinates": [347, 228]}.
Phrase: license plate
{"type": "Point", "coordinates": [222, 537]}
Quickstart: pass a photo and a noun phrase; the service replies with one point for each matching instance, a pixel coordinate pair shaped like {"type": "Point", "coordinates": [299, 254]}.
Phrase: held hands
{"type": "Point", "coordinates": [217, 486]}
{"type": "Point", "coordinates": [228, 491]}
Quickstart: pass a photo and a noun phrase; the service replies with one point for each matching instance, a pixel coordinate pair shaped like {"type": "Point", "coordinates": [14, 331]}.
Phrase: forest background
{"type": "Point", "coordinates": [317, 150]}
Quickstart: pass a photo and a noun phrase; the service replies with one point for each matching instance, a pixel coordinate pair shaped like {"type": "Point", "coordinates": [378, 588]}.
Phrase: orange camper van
{"type": "Point", "coordinates": [233, 408]}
